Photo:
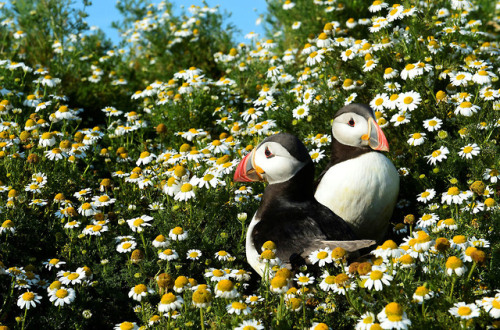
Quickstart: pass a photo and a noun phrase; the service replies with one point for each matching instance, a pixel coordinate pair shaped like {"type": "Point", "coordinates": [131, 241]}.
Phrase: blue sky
{"type": "Point", "coordinates": [244, 14]}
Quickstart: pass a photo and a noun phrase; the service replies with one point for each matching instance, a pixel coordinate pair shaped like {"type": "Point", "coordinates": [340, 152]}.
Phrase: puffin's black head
{"type": "Point", "coordinates": [354, 125]}
{"type": "Point", "coordinates": [276, 159]}
{"type": "Point", "coordinates": [358, 108]}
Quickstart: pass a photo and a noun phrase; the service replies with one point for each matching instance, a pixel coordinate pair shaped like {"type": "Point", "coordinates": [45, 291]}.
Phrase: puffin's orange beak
{"type": "Point", "coordinates": [376, 138]}
{"type": "Point", "coordinates": [246, 171]}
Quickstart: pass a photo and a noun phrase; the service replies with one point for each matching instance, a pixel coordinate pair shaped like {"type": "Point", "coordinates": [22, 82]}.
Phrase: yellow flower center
{"type": "Point", "coordinates": [55, 285]}
{"type": "Point", "coordinates": [423, 237]}
{"type": "Point", "coordinates": [394, 312]}
{"type": "Point", "coordinates": [267, 254]}
{"type": "Point", "coordinates": [28, 296]}
{"type": "Point", "coordinates": [368, 320]}
{"type": "Point", "coordinates": [406, 259]}
{"type": "Point", "coordinates": [126, 245]}
{"type": "Point", "coordinates": [73, 276]}
{"type": "Point", "coordinates": [421, 291]}
{"type": "Point", "coordinates": [489, 202]}
{"type": "Point", "coordinates": [341, 279]}
{"type": "Point", "coordinates": [269, 245]}
{"type": "Point", "coordinates": [408, 100]}
{"type": "Point", "coordinates": [389, 244]}
{"type": "Point", "coordinates": [278, 282]}
{"type": "Point", "coordinates": [459, 239]}
{"type": "Point", "coordinates": [168, 252]}
{"type": "Point", "coordinates": [62, 293]}
{"type": "Point", "coordinates": [104, 199]}
{"type": "Point", "coordinates": [238, 305]}
{"type": "Point", "coordinates": [303, 279]}
{"type": "Point", "coordinates": [453, 191]}
{"type": "Point", "coordinates": [321, 326]}
{"type": "Point", "coordinates": [96, 228]}
{"type": "Point", "coordinates": [449, 221]}
{"type": "Point", "coordinates": [126, 326]}
{"type": "Point", "coordinates": [168, 298]}
{"type": "Point", "coordinates": [379, 101]}
{"type": "Point", "coordinates": [180, 171]}
{"type": "Point", "coordinates": [202, 296]}
{"type": "Point", "coordinates": [8, 224]}
{"type": "Point", "coordinates": [464, 311]}
{"type": "Point", "coordinates": [330, 279]}
{"type": "Point", "coordinates": [181, 281]}
{"type": "Point", "coordinates": [376, 275]}
{"type": "Point", "coordinates": [348, 82]}
{"type": "Point", "coordinates": [322, 255]}
{"type": "Point", "coordinates": [467, 150]}
{"type": "Point", "coordinates": [178, 231]}
{"type": "Point", "coordinates": [465, 105]}
{"type": "Point", "coordinates": [294, 303]}
{"type": "Point", "coordinates": [425, 194]}
{"type": "Point", "coordinates": [453, 262]}
{"type": "Point", "coordinates": [218, 273]}
{"type": "Point", "coordinates": [193, 254]}
{"type": "Point", "coordinates": [338, 253]}
{"type": "Point", "coordinates": [426, 217]}
{"type": "Point", "coordinates": [225, 285]}
{"type": "Point", "coordinates": [409, 67]}
{"type": "Point", "coordinates": [186, 187]}
{"type": "Point", "coordinates": [138, 222]}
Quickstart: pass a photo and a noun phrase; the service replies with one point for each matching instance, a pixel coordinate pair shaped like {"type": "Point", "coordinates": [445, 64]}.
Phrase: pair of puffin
{"type": "Point", "coordinates": [353, 201]}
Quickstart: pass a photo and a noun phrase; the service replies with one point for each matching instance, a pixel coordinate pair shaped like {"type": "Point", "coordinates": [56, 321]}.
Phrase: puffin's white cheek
{"type": "Point", "coordinates": [351, 136]}
{"type": "Point", "coordinates": [346, 135]}
{"type": "Point", "coordinates": [279, 170]}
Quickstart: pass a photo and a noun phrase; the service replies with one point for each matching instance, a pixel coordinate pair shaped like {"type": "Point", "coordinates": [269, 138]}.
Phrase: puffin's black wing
{"type": "Point", "coordinates": [303, 227]}
{"type": "Point", "coordinates": [334, 227]}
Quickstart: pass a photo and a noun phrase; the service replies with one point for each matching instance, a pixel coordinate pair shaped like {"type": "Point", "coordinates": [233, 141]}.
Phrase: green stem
{"type": "Point", "coordinates": [201, 319]}
{"type": "Point", "coordinates": [350, 302]}
{"type": "Point", "coordinates": [453, 284]}
{"type": "Point", "coordinates": [24, 318]}
{"type": "Point", "coordinates": [471, 271]}
{"type": "Point", "coordinates": [144, 245]}
{"type": "Point", "coordinates": [304, 309]}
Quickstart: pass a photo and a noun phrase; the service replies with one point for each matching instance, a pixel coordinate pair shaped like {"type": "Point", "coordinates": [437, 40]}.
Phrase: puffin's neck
{"type": "Point", "coordinates": [341, 152]}
{"type": "Point", "coordinates": [298, 189]}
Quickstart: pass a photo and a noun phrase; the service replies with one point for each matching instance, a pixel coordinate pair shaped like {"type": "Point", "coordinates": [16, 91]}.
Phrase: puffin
{"type": "Point", "coordinates": [289, 215]}
{"type": "Point", "coordinates": [359, 184]}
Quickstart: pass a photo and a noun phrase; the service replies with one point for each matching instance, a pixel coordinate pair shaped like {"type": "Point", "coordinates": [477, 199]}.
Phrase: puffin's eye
{"type": "Point", "coordinates": [351, 122]}
{"type": "Point", "coordinates": [268, 153]}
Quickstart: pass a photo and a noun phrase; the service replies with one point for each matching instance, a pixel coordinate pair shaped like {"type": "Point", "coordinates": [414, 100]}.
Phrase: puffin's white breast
{"type": "Point", "coordinates": [252, 253]}
{"type": "Point", "coordinates": [362, 191]}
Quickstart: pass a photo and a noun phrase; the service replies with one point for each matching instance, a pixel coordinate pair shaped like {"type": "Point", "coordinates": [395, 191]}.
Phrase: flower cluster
{"type": "Point", "coordinates": [116, 184]}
